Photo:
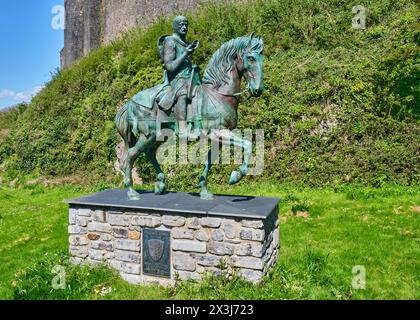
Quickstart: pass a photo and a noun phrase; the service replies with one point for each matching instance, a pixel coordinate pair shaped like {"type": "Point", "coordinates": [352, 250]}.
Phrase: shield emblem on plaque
{"type": "Point", "coordinates": [155, 247]}
{"type": "Point", "coordinates": [156, 252]}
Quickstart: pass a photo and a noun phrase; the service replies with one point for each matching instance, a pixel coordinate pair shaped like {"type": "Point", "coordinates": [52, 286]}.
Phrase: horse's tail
{"type": "Point", "coordinates": [123, 126]}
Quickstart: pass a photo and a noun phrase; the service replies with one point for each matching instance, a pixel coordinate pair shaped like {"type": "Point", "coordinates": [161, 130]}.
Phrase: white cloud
{"type": "Point", "coordinates": [7, 93]}
{"type": "Point", "coordinates": [23, 96]}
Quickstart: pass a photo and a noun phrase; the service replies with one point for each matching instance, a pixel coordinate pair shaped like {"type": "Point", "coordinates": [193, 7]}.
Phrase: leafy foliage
{"type": "Point", "coordinates": [342, 105]}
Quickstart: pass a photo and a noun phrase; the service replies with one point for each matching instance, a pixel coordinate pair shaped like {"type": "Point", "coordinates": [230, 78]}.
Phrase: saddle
{"type": "Point", "coordinates": [144, 107]}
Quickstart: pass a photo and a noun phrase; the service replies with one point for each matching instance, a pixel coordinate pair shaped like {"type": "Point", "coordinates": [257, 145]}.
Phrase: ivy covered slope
{"type": "Point", "coordinates": [342, 105]}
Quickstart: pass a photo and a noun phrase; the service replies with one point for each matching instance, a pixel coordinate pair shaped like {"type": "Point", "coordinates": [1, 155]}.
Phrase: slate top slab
{"type": "Point", "coordinates": [181, 202]}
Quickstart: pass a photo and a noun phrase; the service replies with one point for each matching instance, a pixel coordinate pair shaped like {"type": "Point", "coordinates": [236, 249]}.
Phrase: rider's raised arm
{"type": "Point", "coordinates": [170, 60]}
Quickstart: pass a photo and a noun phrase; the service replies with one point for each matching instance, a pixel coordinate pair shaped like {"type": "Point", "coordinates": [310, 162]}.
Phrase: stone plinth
{"type": "Point", "coordinates": [161, 238]}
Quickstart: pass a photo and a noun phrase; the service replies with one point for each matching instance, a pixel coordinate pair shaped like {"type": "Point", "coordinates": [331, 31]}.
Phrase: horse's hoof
{"type": "Point", "coordinates": [235, 176]}
{"type": "Point", "coordinates": [206, 196]}
{"type": "Point", "coordinates": [133, 195]}
{"type": "Point", "coordinates": [159, 187]}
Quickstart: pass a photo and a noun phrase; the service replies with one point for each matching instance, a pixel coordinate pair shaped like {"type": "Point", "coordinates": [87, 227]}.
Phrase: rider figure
{"type": "Point", "coordinates": [176, 57]}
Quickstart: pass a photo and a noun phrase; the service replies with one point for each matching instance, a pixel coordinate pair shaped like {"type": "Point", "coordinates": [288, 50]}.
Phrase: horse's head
{"type": "Point", "coordinates": [252, 64]}
{"type": "Point", "coordinates": [244, 56]}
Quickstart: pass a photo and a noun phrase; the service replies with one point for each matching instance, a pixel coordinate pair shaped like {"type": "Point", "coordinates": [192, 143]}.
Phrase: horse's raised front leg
{"type": "Point", "coordinates": [129, 158]}
{"type": "Point", "coordinates": [227, 137]}
{"type": "Point", "coordinates": [160, 178]}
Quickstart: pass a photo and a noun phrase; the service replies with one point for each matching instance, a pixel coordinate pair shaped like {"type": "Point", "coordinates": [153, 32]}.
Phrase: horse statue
{"type": "Point", "coordinates": [216, 99]}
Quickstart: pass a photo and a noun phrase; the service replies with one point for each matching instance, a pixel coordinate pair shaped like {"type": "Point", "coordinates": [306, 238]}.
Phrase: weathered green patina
{"type": "Point", "coordinates": [183, 98]}
{"type": "Point", "coordinates": [181, 78]}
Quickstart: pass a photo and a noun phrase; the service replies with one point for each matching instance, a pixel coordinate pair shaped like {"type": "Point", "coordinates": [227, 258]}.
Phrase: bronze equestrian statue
{"type": "Point", "coordinates": [190, 106]}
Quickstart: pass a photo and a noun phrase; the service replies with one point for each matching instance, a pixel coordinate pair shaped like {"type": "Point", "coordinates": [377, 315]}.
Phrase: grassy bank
{"type": "Point", "coordinates": [341, 106]}
{"type": "Point", "coordinates": [324, 233]}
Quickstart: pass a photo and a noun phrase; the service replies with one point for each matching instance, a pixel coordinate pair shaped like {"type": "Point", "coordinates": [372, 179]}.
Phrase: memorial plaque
{"type": "Point", "coordinates": [156, 253]}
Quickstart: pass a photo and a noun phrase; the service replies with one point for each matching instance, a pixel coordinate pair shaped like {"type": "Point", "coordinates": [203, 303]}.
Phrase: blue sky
{"type": "Point", "coordinates": [30, 48]}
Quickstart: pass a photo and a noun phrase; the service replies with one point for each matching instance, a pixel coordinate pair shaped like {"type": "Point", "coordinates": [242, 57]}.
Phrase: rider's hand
{"type": "Point", "coordinates": [192, 47]}
{"type": "Point", "coordinates": [190, 50]}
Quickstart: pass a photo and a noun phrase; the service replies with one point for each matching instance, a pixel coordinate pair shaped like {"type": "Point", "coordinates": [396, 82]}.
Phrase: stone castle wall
{"type": "Point", "coordinates": [119, 18]}
{"type": "Point", "coordinates": [91, 23]}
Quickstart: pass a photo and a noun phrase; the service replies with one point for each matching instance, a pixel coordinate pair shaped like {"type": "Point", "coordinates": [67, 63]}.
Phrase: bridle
{"type": "Point", "coordinates": [237, 94]}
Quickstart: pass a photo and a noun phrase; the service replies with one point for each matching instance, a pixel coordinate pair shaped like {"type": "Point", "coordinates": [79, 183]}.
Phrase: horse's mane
{"type": "Point", "coordinates": [222, 61]}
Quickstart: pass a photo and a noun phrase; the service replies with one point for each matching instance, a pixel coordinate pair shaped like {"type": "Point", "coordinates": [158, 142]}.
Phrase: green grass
{"type": "Point", "coordinates": [342, 227]}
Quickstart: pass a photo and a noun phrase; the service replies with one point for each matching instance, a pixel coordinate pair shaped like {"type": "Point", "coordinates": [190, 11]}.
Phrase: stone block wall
{"type": "Point", "coordinates": [73, 32]}
{"type": "Point", "coordinates": [92, 23]}
{"type": "Point", "coordinates": [119, 16]}
{"type": "Point", "coordinates": [198, 244]}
